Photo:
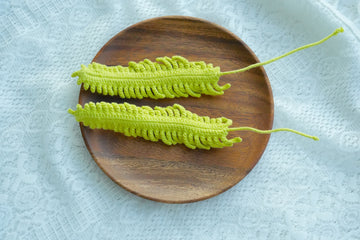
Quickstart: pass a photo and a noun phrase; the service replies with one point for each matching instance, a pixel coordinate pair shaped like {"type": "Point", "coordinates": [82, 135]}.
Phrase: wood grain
{"type": "Point", "coordinates": [176, 174]}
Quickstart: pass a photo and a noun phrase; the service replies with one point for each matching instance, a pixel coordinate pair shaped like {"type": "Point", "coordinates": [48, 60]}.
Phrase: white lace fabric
{"type": "Point", "coordinates": [50, 187]}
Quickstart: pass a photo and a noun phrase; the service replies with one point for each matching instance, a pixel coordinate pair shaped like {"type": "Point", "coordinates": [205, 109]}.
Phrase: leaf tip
{"type": "Point", "coordinates": [71, 111]}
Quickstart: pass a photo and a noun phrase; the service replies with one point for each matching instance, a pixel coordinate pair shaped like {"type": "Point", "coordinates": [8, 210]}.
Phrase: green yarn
{"type": "Point", "coordinates": [272, 131]}
{"type": "Point", "coordinates": [166, 78]}
{"type": "Point", "coordinates": [338, 30]}
{"type": "Point", "coordinates": [172, 125]}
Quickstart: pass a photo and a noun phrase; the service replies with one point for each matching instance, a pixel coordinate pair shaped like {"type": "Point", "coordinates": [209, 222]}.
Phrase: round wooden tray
{"type": "Point", "coordinates": [176, 174]}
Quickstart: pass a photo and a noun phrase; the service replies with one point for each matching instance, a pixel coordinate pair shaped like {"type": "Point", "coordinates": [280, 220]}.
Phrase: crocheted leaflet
{"type": "Point", "coordinates": [172, 124]}
{"type": "Point", "coordinates": [166, 78]}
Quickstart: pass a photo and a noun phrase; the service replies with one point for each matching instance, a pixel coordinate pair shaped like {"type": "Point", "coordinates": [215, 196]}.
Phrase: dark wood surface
{"type": "Point", "coordinates": [176, 174]}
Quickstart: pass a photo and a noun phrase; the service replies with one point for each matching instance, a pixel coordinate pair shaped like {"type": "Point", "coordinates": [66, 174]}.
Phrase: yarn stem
{"type": "Point", "coordinates": [338, 30]}
{"type": "Point", "coordinates": [272, 131]}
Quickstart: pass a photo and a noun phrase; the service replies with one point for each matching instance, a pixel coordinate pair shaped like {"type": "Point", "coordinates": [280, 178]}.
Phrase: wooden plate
{"type": "Point", "coordinates": [176, 174]}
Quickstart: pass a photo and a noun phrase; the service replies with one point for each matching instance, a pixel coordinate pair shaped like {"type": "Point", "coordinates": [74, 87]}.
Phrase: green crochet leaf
{"type": "Point", "coordinates": [171, 125]}
{"type": "Point", "coordinates": [166, 78]}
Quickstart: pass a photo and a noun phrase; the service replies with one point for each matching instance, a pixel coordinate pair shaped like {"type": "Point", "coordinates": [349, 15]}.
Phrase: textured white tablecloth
{"type": "Point", "coordinates": [50, 187]}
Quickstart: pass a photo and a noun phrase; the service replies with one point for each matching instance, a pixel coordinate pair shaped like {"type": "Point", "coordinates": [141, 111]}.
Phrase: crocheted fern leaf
{"type": "Point", "coordinates": [166, 78]}
{"type": "Point", "coordinates": [171, 125]}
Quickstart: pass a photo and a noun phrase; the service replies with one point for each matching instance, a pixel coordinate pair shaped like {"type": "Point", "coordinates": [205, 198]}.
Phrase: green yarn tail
{"type": "Point", "coordinates": [284, 55]}
{"type": "Point", "coordinates": [273, 130]}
